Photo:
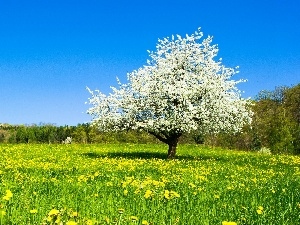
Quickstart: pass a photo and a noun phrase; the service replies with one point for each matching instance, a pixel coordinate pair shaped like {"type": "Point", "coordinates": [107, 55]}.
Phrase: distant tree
{"type": "Point", "coordinates": [277, 95]}
{"type": "Point", "coordinates": [275, 119]}
{"type": "Point", "coordinates": [80, 134]}
{"type": "Point", "coordinates": [292, 106]}
{"type": "Point", "coordinates": [181, 89]}
{"type": "Point", "coordinates": [292, 102]}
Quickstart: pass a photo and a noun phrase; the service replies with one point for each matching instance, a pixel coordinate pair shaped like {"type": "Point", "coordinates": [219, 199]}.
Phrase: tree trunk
{"type": "Point", "coordinates": [171, 140]}
{"type": "Point", "coordinates": [172, 150]}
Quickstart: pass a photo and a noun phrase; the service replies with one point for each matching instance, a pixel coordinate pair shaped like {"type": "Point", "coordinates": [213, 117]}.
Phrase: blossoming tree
{"type": "Point", "coordinates": [180, 89]}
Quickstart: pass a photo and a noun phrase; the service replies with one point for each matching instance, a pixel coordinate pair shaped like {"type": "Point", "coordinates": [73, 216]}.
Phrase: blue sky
{"type": "Point", "coordinates": [51, 50]}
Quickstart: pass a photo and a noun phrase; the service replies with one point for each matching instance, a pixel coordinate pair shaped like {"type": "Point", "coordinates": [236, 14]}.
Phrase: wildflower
{"type": "Point", "coordinates": [174, 194]}
{"type": "Point", "coordinates": [148, 194]}
{"type": "Point", "coordinates": [134, 218]}
{"type": "Point", "coordinates": [2, 213]}
{"type": "Point", "coordinates": [121, 211]}
{"type": "Point", "coordinates": [71, 222]}
{"type": "Point", "coordinates": [171, 194]}
{"type": "Point", "coordinates": [145, 222]}
{"type": "Point", "coordinates": [89, 222]}
{"type": "Point", "coordinates": [8, 195]}
{"type": "Point", "coordinates": [167, 194]}
{"type": "Point", "coordinates": [53, 212]}
{"type": "Point", "coordinates": [192, 185]}
{"type": "Point", "coordinates": [228, 223]}
{"type": "Point", "coordinates": [33, 211]}
{"type": "Point", "coordinates": [75, 214]}
{"type": "Point", "coordinates": [260, 210]}
{"type": "Point", "coordinates": [216, 196]}
{"type": "Point", "coordinates": [125, 192]}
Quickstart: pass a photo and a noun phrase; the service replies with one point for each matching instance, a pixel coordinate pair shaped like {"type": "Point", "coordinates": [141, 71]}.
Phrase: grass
{"type": "Point", "coordinates": [135, 184]}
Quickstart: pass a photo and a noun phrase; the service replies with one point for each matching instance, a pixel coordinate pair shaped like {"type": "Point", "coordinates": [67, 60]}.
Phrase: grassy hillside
{"type": "Point", "coordinates": [135, 184]}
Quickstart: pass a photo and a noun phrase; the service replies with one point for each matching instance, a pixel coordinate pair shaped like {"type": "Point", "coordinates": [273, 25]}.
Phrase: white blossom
{"type": "Point", "coordinates": [181, 88]}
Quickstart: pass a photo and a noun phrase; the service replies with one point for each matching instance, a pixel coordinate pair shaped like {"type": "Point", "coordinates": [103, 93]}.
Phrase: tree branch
{"type": "Point", "coordinates": [159, 137]}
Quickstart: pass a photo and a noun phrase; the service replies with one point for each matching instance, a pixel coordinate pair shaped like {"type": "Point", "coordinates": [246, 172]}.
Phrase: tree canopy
{"type": "Point", "coordinates": [180, 89]}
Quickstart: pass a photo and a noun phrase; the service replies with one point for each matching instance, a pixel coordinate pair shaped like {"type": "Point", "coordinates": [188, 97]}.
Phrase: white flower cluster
{"type": "Point", "coordinates": [180, 89]}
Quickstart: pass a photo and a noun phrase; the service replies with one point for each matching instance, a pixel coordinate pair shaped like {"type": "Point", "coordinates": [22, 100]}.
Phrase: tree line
{"type": "Point", "coordinates": [275, 125]}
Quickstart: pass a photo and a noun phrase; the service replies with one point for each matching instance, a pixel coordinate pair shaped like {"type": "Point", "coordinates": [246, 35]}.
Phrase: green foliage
{"type": "Point", "coordinates": [275, 124]}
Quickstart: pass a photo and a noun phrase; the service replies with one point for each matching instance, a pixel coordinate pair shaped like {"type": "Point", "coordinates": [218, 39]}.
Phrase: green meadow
{"type": "Point", "coordinates": [136, 184]}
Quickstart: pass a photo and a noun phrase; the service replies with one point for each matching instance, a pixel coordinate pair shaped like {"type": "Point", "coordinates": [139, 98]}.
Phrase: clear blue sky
{"type": "Point", "coordinates": [51, 50]}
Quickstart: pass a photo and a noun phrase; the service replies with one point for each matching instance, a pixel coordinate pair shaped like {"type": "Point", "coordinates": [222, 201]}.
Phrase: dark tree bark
{"type": "Point", "coordinates": [171, 139]}
{"type": "Point", "coordinates": [172, 149]}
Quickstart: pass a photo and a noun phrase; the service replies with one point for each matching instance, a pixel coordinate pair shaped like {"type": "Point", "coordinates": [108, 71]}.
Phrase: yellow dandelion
{"type": "Point", "coordinates": [53, 212]}
{"type": "Point", "coordinates": [167, 194]}
{"type": "Point", "coordinates": [89, 222]}
{"type": "Point", "coordinates": [174, 194]}
{"type": "Point", "coordinates": [145, 222]}
{"type": "Point", "coordinates": [259, 211]}
{"type": "Point", "coordinates": [125, 192]}
{"type": "Point", "coordinates": [121, 211]}
{"type": "Point", "coordinates": [71, 222]}
{"type": "Point", "coordinates": [75, 214]}
{"type": "Point", "coordinates": [228, 223]}
{"type": "Point", "coordinates": [134, 218]}
{"type": "Point", "coordinates": [148, 194]}
{"type": "Point", "coordinates": [33, 211]}
{"type": "Point", "coordinates": [8, 195]}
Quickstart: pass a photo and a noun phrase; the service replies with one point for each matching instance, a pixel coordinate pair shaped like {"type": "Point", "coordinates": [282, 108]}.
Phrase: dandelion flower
{"type": "Point", "coordinates": [134, 218]}
{"type": "Point", "coordinates": [167, 194]}
{"type": "Point", "coordinates": [8, 195]}
{"type": "Point", "coordinates": [121, 211]}
{"type": "Point", "coordinates": [148, 194]}
{"type": "Point", "coordinates": [228, 223]}
{"type": "Point", "coordinates": [53, 212]}
{"type": "Point", "coordinates": [174, 194]}
{"type": "Point", "coordinates": [33, 211]}
{"type": "Point", "coordinates": [71, 222]}
{"type": "Point", "coordinates": [260, 210]}
{"type": "Point", "coordinates": [89, 222]}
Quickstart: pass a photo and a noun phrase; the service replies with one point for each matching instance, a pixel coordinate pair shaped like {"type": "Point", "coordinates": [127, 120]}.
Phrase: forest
{"type": "Point", "coordinates": [275, 128]}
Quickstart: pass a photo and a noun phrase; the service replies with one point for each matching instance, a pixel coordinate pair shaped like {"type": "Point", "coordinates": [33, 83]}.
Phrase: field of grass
{"type": "Point", "coordinates": [135, 184]}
